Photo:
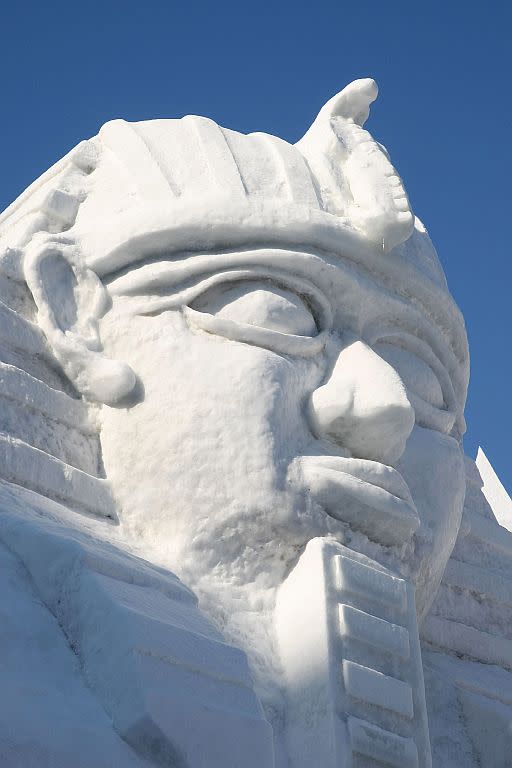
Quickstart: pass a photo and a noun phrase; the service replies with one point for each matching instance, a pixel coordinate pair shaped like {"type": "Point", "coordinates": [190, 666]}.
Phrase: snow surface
{"type": "Point", "coordinates": [494, 491]}
{"type": "Point", "coordinates": [233, 382]}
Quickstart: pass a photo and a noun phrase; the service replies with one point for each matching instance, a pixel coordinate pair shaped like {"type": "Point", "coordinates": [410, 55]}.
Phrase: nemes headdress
{"type": "Point", "coordinates": [189, 186]}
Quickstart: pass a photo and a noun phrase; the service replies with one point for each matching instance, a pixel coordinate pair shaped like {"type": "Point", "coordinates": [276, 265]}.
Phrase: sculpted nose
{"type": "Point", "coordinates": [363, 407]}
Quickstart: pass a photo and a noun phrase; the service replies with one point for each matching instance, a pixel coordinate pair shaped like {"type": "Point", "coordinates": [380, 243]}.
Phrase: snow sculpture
{"type": "Point", "coordinates": [235, 360]}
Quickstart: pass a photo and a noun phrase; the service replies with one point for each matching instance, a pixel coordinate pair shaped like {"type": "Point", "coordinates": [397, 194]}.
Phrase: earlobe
{"type": "Point", "coordinates": [70, 299]}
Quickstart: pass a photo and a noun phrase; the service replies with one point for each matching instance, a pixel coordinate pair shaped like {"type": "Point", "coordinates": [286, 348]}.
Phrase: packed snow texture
{"type": "Point", "coordinates": [232, 496]}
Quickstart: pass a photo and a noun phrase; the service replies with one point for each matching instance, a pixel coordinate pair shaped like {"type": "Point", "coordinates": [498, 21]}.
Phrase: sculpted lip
{"type": "Point", "coordinates": [371, 497]}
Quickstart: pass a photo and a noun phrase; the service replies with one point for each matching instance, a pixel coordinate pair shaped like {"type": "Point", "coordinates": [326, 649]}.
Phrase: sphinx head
{"type": "Point", "coordinates": [268, 333]}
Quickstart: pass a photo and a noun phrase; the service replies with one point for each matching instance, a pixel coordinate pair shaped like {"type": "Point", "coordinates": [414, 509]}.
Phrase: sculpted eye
{"type": "Point", "coordinates": [418, 377]}
{"type": "Point", "coordinates": [283, 313]}
{"type": "Point", "coordinates": [261, 304]}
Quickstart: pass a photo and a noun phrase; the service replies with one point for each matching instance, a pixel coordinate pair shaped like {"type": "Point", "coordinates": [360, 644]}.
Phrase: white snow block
{"type": "Point", "coordinates": [373, 742]}
{"type": "Point", "coordinates": [490, 724]}
{"type": "Point", "coordinates": [358, 625]}
{"type": "Point", "coordinates": [493, 490]}
{"type": "Point", "coordinates": [37, 470]}
{"type": "Point", "coordinates": [48, 716]}
{"type": "Point", "coordinates": [372, 687]}
{"type": "Point", "coordinates": [19, 386]}
{"type": "Point", "coordinates": [348, 640]}
{"type": "Point", "coordinates": [175, 691]}
{"type": "Point", "coordinates": [468, 641]}
{"type": "Point", "coordinates": [27, 336]}
{"type": "Point", "coordinates": [48, 420]}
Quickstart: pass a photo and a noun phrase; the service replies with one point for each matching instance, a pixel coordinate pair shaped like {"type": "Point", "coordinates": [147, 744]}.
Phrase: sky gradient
{"type": "Point", "coordinates": [444, 113]}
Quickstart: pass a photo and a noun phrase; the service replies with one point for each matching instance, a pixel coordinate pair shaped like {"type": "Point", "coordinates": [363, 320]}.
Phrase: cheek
{"type": "Point", "coordinates": [218, 423]}
{"type": "Point", "coordinates": [199, 381]}
{"type": "Point", "coordinates": [433, 467]}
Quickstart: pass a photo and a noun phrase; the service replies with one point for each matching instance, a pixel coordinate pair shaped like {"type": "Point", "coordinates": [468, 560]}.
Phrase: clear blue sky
{"type": "Point", "coordinates": [444, 113]}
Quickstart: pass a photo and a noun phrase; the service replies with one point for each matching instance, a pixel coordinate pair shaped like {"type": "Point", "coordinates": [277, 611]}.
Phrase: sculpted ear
{"type": "Point", "coordinates": [70, 299]}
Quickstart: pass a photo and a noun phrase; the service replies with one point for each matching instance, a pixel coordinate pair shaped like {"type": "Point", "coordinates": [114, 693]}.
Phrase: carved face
{"type": "Point", "coordinates": [273, 407]}
{"type": "Point", "coordinates": [282, 394]}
